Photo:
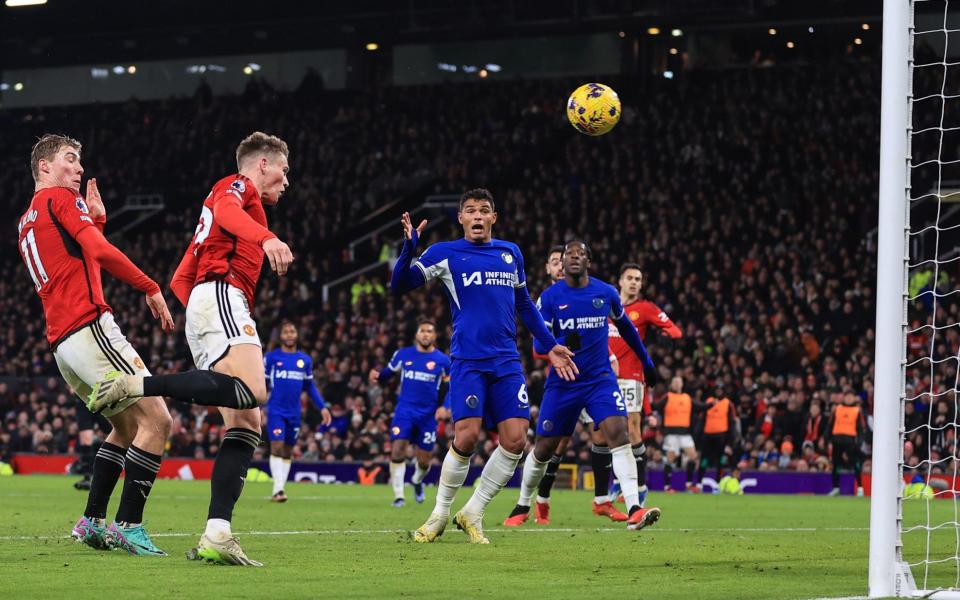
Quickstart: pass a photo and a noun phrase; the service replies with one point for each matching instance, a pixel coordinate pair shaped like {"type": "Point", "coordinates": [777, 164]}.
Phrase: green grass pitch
{"type": "Point", "coordinates": [348, 542]}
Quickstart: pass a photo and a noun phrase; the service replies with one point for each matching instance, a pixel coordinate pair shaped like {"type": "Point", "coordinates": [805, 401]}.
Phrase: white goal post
{"type": "Point", "coordinates": [889, 575]}
{"type": "Point", "coordinates": [934, 554]}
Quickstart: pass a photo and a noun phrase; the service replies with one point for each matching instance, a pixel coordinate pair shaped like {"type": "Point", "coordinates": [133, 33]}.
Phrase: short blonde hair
{"type": "Point", "coordinates": [47, 147]}
{"type": "Point", "coordinates": [259, 142]}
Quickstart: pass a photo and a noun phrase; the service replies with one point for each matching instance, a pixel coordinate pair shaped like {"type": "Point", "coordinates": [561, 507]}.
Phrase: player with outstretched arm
{"type": "Point", "coordinates": [216, 281]}
{"type": "Point", "coordinates": [577, 309]}
{"type": "Point", "coordinates": [485, 282]}
{"type": "Point", "coordinates": [60, 237]}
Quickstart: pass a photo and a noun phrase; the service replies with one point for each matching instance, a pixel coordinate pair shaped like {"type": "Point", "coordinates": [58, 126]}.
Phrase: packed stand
{"type": "Point", "coordinates": [747, 196]}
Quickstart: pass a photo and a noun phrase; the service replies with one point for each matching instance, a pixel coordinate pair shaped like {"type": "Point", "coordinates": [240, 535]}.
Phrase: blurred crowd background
{"type": "Point", "coordinates": [747, 195]}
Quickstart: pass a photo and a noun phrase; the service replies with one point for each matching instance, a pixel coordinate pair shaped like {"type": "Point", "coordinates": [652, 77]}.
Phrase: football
{"type": "Point", "coordinates": [593, 109]}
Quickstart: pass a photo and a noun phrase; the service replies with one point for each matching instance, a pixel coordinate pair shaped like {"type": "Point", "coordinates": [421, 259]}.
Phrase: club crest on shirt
{"type": "Point", "coordinates": [239, 186]}
{"type": "Point", "coordinates": [431, 364]}
{"type": "Point", "coordinates": [408, 363]}
{"type": "Point", "coordinates": [395, 430]}
{"type": "Point", "coordinates": [82, 206]}
{"type": "Point", "coordinates": [300, 363]}
{"type": "Point", "coordinates": [598, 302]}
{"type": "Point", "coordinates": [507, 258]}
{"type": "Point", "coordinates": [634, 315]}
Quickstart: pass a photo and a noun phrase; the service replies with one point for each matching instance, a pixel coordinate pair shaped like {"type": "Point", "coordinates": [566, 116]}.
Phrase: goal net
{"type": "Point", "coordinates": [915, 515]}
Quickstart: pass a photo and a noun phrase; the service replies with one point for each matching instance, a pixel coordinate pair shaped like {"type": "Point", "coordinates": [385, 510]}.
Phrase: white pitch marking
{"type": "Point", "coordinates": [495, 530]}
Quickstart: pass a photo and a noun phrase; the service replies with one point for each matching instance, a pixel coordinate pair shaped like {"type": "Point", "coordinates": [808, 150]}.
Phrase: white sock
{"type": "Point", "coordinates": [533, 471]}
{"type": "Point", "coordinates": [218, 530]}
{"type": "Point", "coordinates": [452, 475]}
{"type": "Point", "coordinates": [419, 474]}
{"type": "Point", "coordinates": [287, 462]}
{"type": "Point", "coordinates": [625, 468]}
{"type": "Point", "coordinates": [542, 500]}
{"type": "Point", "coordinates": [276, 471]}
{"type": "Point", "coordinates": [497, 472]}
{"type": "Point", "coordinates": [397, 472]}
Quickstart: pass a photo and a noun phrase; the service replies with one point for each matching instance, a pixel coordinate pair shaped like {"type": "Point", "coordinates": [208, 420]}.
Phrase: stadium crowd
{"type": "Point", "coordinates": [749, 210]}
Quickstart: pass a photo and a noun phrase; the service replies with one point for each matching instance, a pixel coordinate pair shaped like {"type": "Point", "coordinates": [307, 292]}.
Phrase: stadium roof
{"type": "Point", "coordinates": [63, 32]}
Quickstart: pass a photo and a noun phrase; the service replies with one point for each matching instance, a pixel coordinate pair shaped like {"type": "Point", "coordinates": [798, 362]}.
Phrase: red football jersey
{"type": "Point", "coordinates": [67, 282]}
{"type": "Point", "coordinates": [641, 313]}
{"type": "Point", "coordinates": [222, 254]}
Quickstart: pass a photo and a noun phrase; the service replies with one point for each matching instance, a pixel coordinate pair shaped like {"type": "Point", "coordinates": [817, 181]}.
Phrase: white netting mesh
{"type": "Point", "coordinates": [930, 528]}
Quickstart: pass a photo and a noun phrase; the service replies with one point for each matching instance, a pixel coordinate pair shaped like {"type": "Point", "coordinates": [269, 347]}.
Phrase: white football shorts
{"type": "Point", "coordinates": [676, 443]}
{"type": "Point", "coordinates": [632, 391]}
{"type": "Point", "coordinates": [218, 317]}
{"type": "Point", "coordinates": [88, 354]}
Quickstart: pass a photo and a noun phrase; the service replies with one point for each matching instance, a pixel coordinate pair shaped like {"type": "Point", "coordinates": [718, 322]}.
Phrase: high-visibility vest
{"type": "Point", "coordinates": [368, 476]}
{"type": "Point", "coordinates": [718, 420]}
{"type": "Point", "coordinates": [678, 410]}
{"type": "Point", "coordinates": [845, 420]}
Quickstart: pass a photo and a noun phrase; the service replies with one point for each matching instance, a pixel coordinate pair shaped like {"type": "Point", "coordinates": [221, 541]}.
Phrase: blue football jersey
{"type": "Point", "coordinates": [421, 374]}
{"type": "Point", "coordinates": [289, 374]}
{"type": "Point", "coordinates": [578, 319]}
{"type": "Point", "coordinates": [479, 280]}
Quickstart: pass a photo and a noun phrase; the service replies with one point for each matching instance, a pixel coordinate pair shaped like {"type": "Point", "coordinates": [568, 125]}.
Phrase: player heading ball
{"type": "Point", "coordinates": [216, 281]}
